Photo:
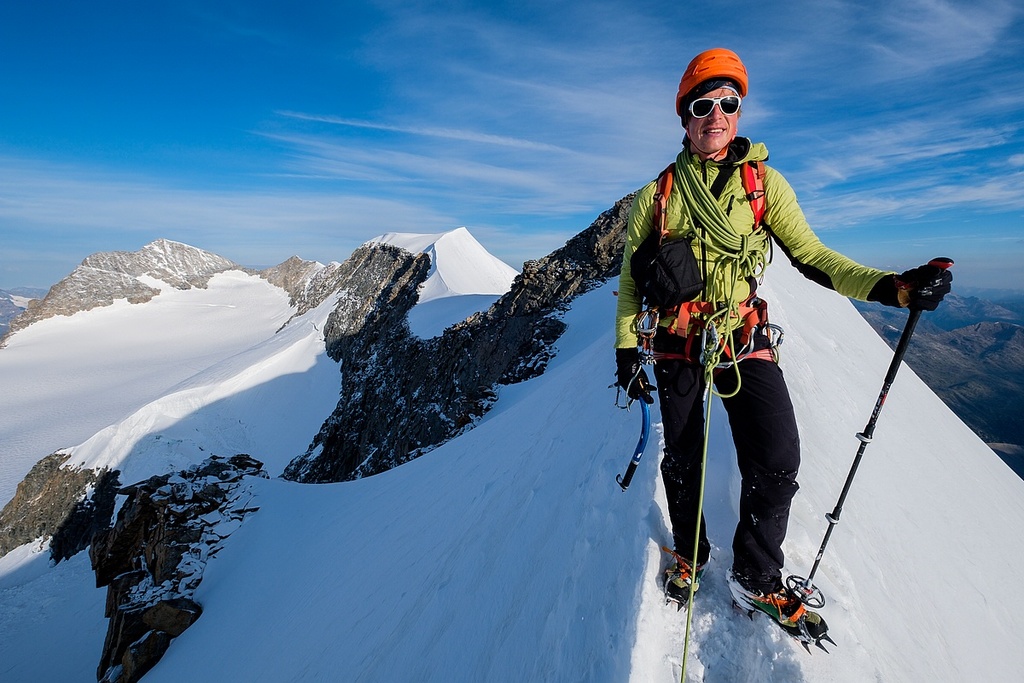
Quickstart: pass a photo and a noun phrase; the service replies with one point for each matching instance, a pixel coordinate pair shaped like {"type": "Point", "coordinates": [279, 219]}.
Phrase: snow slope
{"type": "Point", "coordinates": [67, 377]}
{"type": "Point", "coordinates": [188, 374]}
{"type": "Point", "coordinates": [267, 401]}
{"type": "Point", "coordinates": [510, 554]}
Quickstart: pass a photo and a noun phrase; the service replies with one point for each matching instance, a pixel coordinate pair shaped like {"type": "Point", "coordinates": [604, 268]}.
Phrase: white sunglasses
{"type": "Point", "coordinates": [702, 107]}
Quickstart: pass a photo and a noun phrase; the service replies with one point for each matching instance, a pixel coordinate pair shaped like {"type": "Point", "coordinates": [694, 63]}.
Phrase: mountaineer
{"type": "Point", "coordinates": [697, 245]}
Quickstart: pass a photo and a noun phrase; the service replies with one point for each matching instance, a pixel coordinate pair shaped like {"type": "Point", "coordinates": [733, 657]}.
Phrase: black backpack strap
{"type": "Point", "coordinates": [724, 173]}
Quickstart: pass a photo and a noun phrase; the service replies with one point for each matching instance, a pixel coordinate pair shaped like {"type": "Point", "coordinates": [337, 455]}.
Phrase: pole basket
{"type": "Point", "coordinates": [805, 592]}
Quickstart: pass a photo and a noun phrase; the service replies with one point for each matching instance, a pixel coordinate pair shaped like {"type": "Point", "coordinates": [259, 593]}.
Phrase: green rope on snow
{"type": "Point", "coordinates": [696, 536]}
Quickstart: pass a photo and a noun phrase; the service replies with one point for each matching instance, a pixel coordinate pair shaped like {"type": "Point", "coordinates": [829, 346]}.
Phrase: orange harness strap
{"type": "Point", "coordinates": [752, 174]}
{"type": "Point", "coordinates": [762, 354]}
{"type": "Point", "coordinates": [691, 316]}
{"type": "Point", "coordinates": [661, 195]}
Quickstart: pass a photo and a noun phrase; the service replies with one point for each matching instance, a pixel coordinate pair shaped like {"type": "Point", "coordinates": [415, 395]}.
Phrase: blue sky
{"type": "Point", "coordinates": [259, 130]}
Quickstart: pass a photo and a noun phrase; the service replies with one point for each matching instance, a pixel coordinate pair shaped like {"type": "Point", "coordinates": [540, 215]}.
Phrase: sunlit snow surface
{"type": "Point", "coordinates": [67, 377]}
{"type": "Point", "coordinates": [510, 553]}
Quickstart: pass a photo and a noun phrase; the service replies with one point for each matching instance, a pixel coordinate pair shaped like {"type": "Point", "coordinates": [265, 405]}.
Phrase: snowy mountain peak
{"type": "Point", "coordinates": [459, 263]}
{"type": "Point", "coordinates": [105, 277]}
{"type": "Point", "coordinates": [180, 265]}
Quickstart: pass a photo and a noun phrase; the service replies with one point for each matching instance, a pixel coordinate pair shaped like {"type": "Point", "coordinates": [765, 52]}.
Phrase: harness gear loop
{"type": "Point", "coordinates": [646, 327]}
{"type": "Point", "coordinates": [694, 317]}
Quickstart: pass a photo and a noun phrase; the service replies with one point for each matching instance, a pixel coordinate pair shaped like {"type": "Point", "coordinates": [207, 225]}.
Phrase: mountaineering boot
{"type": "Point", "coordinates": [785, 610]}
{"type": "Point", "coordinates": [678, 578]}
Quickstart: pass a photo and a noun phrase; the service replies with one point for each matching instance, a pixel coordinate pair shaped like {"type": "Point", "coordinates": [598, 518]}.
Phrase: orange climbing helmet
{"type": "Point", "coordinates": [717, 62]}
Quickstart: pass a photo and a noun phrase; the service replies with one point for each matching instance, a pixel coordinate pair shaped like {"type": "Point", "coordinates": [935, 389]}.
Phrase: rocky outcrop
{"type": "Point", "coordinates": [66, 504]}
{"type": "Point", "coordinates": [308, 283]}
{"type": "Point", "coordinates": [154, 556]}
{"type": "Point", "coordinates": [106, 277]}
{"type": "Point", "coordinates": [294, 276]}
{"type": "Point", "coordinates": [401, 395]}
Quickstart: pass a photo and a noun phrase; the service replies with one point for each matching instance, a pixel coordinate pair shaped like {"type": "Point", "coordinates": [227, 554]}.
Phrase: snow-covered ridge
{"type": "Point", "coordinates": [464, 278]}
{"type": "Point", "coordinates": [459, 263]}
{"type": "Point", "coordinates": [167, 362]}
{"type": "Point", "coordinates": [530, 564]}
{"type": "Point", "coordinates": [67, 378]}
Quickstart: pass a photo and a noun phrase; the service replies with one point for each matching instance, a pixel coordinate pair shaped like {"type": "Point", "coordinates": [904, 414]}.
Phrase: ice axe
{"type": "Point", "coordinates": [645, 431]}
{"type": "Point", "coordinates": [647, 325]}
{"type": "Point", "coordinates": [799, 586]}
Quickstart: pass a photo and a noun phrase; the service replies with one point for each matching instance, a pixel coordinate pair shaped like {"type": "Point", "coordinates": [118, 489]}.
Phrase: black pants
{"type": "Point", "coordinates": [764, 430]}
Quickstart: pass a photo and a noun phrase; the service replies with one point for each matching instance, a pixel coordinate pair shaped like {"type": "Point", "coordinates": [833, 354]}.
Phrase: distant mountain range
{"type": "Point", "coordinates": [14, 301]}
{"type": "Point", "coordinates": [970, 351]}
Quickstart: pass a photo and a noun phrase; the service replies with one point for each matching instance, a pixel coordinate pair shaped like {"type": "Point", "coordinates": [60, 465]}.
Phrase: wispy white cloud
{"type": "Point", "coordinates": [443, 133]}
{"type": "Point", "coordinates": [525, 120]}
{"type": "Point", "coordinates": [249, 226]}
{"type": "Point", "coordinates": [914, 199]}
{"type": "Point", "coordinates": [912, 37]}
{"type": "Point", "coordinates": [920, 147]}
{"type": "Point", "coordinates": [423, 174]}
{"type": "Point", "coordinates": [850, 45]}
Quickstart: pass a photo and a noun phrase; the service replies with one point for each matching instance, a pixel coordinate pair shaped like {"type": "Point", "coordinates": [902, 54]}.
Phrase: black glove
{"type": "Point", "coordinates": [630, 375]}
{"type": "Point", "coordinates": [922, 288]}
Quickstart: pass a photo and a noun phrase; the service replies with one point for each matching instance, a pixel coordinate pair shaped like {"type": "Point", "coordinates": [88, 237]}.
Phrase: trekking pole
{"type": "Point", "coordinates": [645, 431]}
{"type": "Point", "coordinates": [801, 587]}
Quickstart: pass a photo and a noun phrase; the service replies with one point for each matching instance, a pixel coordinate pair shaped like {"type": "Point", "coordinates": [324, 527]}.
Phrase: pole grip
{"type": "Point", "coordinates": [901, 348]}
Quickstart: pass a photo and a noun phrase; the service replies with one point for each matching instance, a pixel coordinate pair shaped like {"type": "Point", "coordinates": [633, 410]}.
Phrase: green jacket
{"type": "Point", "coordinates": [784, 220]}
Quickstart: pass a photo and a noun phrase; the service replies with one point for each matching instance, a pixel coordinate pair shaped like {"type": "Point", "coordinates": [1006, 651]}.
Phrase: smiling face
{"type": "Point", "coordinates": [711, 135]}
